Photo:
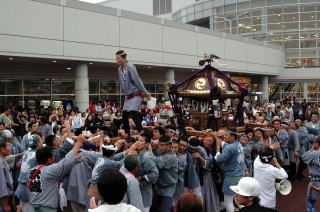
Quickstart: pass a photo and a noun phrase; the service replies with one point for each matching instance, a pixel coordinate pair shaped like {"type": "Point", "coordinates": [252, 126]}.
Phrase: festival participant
{"type": "Point", "coordinates": [29, 161]}
{"type": "Point", "coordinates": [311, 158]}
{"type": "Point", "coordinates": [294, 147]}
{"type": "Point", "coordinates": [167, 164]}
{"type": "Point", "coordinates": [266, 171]}
{"type": "Point", "coordinates": [231, 159]}
{"type": "Point", "coordinates": [148, 172]}
{"type": "Point", "coordinates": [134, 90]}
{"type": "Point", "coordinates": [6, 181]}
{"type": "Point", "coordinates": [130, 167]}
{"type": "Point", "coordinates": [44, 179]}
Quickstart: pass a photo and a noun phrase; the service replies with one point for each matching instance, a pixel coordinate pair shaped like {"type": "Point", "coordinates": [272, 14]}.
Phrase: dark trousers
{"type": "Point", "coordinates": [292, 171]}
{"type": "Point", "coordinates": [136, 117]}
{"type": "Point", "coordinates": [301, 168]}
{"type": "Point", "coordinates": [161, 203]}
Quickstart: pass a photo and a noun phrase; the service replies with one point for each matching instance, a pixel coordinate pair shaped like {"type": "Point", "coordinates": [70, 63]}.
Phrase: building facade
{"type": "Point", "coordinates": [52, 50]}
{"type": "Point", "coordinates": [292, 24]}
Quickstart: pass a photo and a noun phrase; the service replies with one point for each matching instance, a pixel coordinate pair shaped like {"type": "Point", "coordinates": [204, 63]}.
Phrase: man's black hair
{"type": "Point", "coordinates": [131, 162]}
{"type": "Point", "coordinates": [49, 140]}
{"type": "Point", "coordinates": [131, 140]}
{"type": "Point", "coordinates": [175, 141]}
{"type": "Point", "coordinates": [149, 132]}
{"type": "Point", "coordinates": [108, 153]}
{"type": "Point", "coordinates": [161, 130]}
{"type": "Point", "coordinates": [183, 138]}
{"type": "Point", "coordinates": [43, 120]}
{"type": "Point", "coordinates": [317, 140]}
{"type": "Point", "coordinates": [266, 155]}
{"type": "Point", "coordinates": [276, 121]}
{"type": "Point", "coordinates": [194, 142]}
{"type": "Point", "coordinates": [164, 139]}
{"type": "Point", "coordinates": [3, 142]}
{"type": "Point", "coordinates": [112, 186]}
{"type": "Point", "coordinates": [30, 124]}
{"type": "Point", "coordinates": [147, 137]}
{"type": "Point", "coordinates": [43, 154]}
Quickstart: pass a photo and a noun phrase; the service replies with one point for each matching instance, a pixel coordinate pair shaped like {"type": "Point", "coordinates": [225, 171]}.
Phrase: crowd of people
{"type": "Point", "coordinates": [86, 161]}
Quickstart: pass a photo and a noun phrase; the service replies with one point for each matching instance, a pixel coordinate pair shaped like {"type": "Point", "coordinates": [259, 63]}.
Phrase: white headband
{"type": "Point", "coordinates": [109, 147]}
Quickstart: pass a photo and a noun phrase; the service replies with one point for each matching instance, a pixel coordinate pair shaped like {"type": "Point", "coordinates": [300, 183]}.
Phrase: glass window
{"type": "Point", "coordinates": [275, 37]}
{"type": "Point", "coordinates": [151, 88]}
{"type": "Point", "coordinates": [93, 86]}
{"type": "Point", "coordinates": [219, 10]}
{"type": "Point", "coordinates": [291, 44]}
{"type": "Point", "coordinates": [308, 62]}
{"type": "Point", "coordinates": [34, 101]}
{"type": "Point", "coordinates": [290, 1]}
{"type": "Point", "coordinates": [290, 26]}
{"type": "Point", "coordinates": [168, 6]}
{"type": "Point", "coordinates": [291, 17]}
{"type": "Point", "coordinates": [308, 25]}
{"type": "Point", "coordinates": [293, 62]}
{"type": "Point", "coordinates": [273, 2]}
{"type": "Point", "coordinates": [198, 15]}
{"type": "Point", "coordinates": [292, 53]}
{"type": "Point", "coordinates": [244, 22]}
{"type": "Point", "coordinates": [307, 43]}
{"type": "Point", "coordinates": [109, 87]}
{"type": "Point", "coordinates": [10, 86]}
{"type": "Point", "coordinates": [275, 18]}
{"type": "Point", "coordinates": [272, 27]}
{"type": "Point", "coordinates": [257, 28]}
{"type": "Point", "coordinates": [290, 9]}
{"type": "Point", "coordinates": [37, 86]}
{"type": "Point", "coordinates": [307, 7]}
{"type": "Point", "coordinates": [207, 5]}
{"type": "Point", "coordinates": [230, 7]}
{"type": "Point", "coordinates": [256, 12]}
{"type": "Point", "coordinates": [291, 35]}
{"type": "Point", "coordinates": [308, 16]}
{"type": "Point", "coordinates": [162, 7]}
{"type": "Point", "coordinates": [274, 10]}
{"type": "Point", "coordinates": [10, 101]}
{"type": "Point", "coordinates": [63, 86]}
{"type": "Point", "coordinates": [311, 52]}
{"type": "Point", "coordinates": [207, 12]}
{"type": "Point", "coordinates": [156, 7]}
{"type": "Point", "coordinates": [256, 20]}
{"type": "Point", "coordinates": [244, 5]}
{"type": "Point", "coordinates": [257, 3]}
{"type": "Point", "coordinates": [190, 10]}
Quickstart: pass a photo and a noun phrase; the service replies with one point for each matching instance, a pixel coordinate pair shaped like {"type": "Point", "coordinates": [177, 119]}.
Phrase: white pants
{"type": "Point", "coordinates": [228, 203]}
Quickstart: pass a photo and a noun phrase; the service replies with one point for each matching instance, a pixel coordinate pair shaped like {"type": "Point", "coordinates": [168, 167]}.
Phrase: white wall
{"type": "Point", "coordinates": [138, 6]}
{"type": "Point", "coordinates": [86, 32]}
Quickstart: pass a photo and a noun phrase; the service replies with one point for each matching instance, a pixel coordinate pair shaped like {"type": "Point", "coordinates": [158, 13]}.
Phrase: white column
{"type": "Point", "coordinates": [82, 87]}
{"type": "Point", "coordinates": [169, 78]}
{"type": "Point", "coordinates": [305, 91]}
{"type": "Point", "coordinates": [265, 88]}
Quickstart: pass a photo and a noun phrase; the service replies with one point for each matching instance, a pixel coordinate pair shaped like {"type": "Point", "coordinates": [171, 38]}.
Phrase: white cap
{"type": "Point", "coordinates": [248, 187]}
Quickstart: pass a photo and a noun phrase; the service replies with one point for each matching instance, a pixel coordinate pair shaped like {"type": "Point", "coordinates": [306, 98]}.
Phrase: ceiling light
{"type": "Point", "coordinates": [91, 63]}
{"type": "Point", "coordinates": [149, 67]}
{"type": "Point", "coordinates": [69, 67]}
{"type": "Point", "coordinates": [10, 58]}
{"type": "Point", "coordinates": [54, 61]}
{"type": "Point", "coordinates": [301, 37]}
{"type": "Point", "coordinates": [279, 15]}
